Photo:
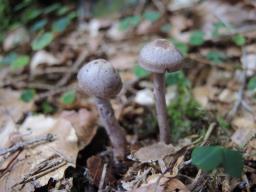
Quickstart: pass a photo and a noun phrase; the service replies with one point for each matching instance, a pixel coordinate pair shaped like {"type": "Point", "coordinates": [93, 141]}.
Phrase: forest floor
{"type": "Point", "coordinates": [51, 137]}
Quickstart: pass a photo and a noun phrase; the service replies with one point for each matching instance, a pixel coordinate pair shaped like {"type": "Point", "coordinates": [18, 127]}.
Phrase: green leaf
{"type": "Point", "coordinates": [72, 15]}
{"type": "Point", "coordinates": [196, 38]}
{"type": "Point", "coordinates": [47, 107]}
{"type": "Point", "coordinates": [103, 7]}
{"type": "Point", "coordinates": [52, 8]}
{"type": "Point", "coordinates": [182, 47]}
{"type": "Point", "coordinates": [175, 78]}
{"type": "Point", "coordinates": [129, 22]}
{"type": "Point", "coordinates": [210, 157]}
{"type": "Point", "coordinates": [27, 95]}
{"type": "Point", "coordinates": [216, 28]}
{"type": "Point", "coordinates": [233, 162]}
{"type": "Point", "coordinates": [140, 72]}
{"type": "Point", "coordinates": [22, 5]}
{"type": "Point", "coordinates": [216, 57]}
{"type": "Point", "coordinates": [30, 14]}
{"type": "Point", "coordinates": [223, 123]}
{"type": "Point", "coordinates": [9, 58]}
{"type": "Point", "coordinates": [151, 15]}
{"type": "Point", "coordinates": [39, 25]}
{"type": "Point", "coordinates": [207, 158]}
{"type": "Point", "coordinates": [252, 84]}
{"type": "Point", "coordinates": [166, 28]}
{"type": "Point", "coordinates": [42, 41]}
{"type": "Point", "coordinates": [239, 40]}
{"type": "Point", "coordinates": [61, 24]}
{"type": "Point", "coordinates": [20, 62]}
{"type": "Point", "coordinates": [68, 97]}
{"type": "Point", "coordinates": [63, 10]}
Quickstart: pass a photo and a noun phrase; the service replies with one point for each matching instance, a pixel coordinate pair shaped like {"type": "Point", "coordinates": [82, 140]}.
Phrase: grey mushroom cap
{"type": "Point", "coordinates": [98, 78]}
{"type": "Point", "coordinates": [160, 56]}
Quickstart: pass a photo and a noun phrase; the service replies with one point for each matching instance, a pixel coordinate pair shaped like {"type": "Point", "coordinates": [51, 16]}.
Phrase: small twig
{"type": "Point", "coordinates": [13, 81]}
{"type": "Point", "coordinates": [194, 183]}
{"type": "Point", "coordinates": [48, 138]}
{"type": "Point", "coordinates": [51, 70]}
{"type": "Point", "coordinates": [74, 68]}
{"type": "Point", "coordinates": [49, 167]}
{"type": "Point", "coordinates": [244, 177]}
{"type": "Point", "coordinates": [102, 179]}
{"type": "Point", "coordinates": [41, 86]}
{"type": "Point", "coordinates": [53, 92]}
{"type": "Point", "coordinates": [208, 133]}
{"type": "Point", "coordinates": [240, 102]}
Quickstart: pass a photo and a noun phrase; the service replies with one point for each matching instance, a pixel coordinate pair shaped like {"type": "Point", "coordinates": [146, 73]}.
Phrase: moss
{"type": "Point", "coordinates": [183, 111]}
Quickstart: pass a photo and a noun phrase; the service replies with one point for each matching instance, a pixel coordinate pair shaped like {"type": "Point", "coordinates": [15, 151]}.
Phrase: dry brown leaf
{"type": "Point", "coordinates": [85, 124]}
{"type": "Point", "coordinates": [15, 38]}
{"type": "Point", "coordinates": [43, 57]}
{"type": "Point", "coordinates": [175, 185]}
{"type": "Point", "coordinates": [151, 182]}
{"type": "Point", "coordinates": [42, 161]}
{"type": "Point", "coordinates": [11, 106]}
{"type": "Point", "coordinates": [164, 184]}
{"type": "Point", "coordinates": [234, 14]}
{"type": "Point", "coordinates": [154, 152]}
{"type": "Point", "coordinates": [201, 95]}
{"type": "Point", "coordinates": [245, 132]}
{"type": "Point", "coordinates": [123, 60]}
{"type": "Point", "coordinates": [95, 166]}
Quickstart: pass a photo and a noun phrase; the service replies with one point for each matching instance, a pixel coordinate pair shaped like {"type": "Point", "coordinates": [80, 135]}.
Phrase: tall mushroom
{"type": "Point", "coordinates": [99, 79]}
{"type": "Point", "coordinates": [158, 57]}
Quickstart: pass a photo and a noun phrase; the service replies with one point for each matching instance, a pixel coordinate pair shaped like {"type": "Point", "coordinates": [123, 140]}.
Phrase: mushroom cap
{"type": "Point", "coordinates": [98, 78]}
{"type": "Point", "coordinates": [159, 56]}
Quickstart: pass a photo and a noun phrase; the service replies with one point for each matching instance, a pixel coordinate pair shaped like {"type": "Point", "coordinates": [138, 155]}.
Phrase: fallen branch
{"type": "Point", "coordinates": [48, 138]}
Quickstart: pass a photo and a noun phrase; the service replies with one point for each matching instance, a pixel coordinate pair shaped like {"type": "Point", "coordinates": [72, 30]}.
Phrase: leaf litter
{"type": "Point", "coordinates": [216, 38]}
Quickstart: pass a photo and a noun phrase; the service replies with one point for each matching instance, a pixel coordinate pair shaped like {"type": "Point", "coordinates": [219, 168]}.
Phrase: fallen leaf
{"type": "Point", "coordinates": [201, 95]}
{"type": "Point", "coordinates": [123, 60]}
{"type": "Point", "coordinates": [42, 161]}
{"type": "Point", "coordinates": [144, 97]}
{"type": "Point", "coordinates": [116, 34]}
{"type": "Point", "coordinates": [175, 185]}
{"type": "Point", "coordinates": [85, 124]}
{"type": "Point", "coordinates": [95, 166]}
{"type": "Point", "coordinates": [249, 64]}
{"type": "Point", "coordinates": [154, 152]}
{"type": "Point", "coordinates": [15, 38]}
{"type": "Point", "coordinates": [43, 57]}
{"type": "Point", "coordinates": [11, 106]}
{"type": "Point", "coordinates": [245, 132]}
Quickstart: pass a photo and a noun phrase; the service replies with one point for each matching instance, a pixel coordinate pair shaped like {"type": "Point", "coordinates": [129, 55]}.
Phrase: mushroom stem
{"type": "Point", "coordinates": [114, 131]}
{"type": "Point", "coordinates": [159, 92]}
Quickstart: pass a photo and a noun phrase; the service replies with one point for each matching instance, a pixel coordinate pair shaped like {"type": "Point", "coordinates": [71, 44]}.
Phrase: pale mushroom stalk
{"type": "Point", "coordinates": [161, 108]}
{"type": "Point", "coordinates": [116, 134]}
{"type": "Point", "coordinates": [158, 57]}
{"type": "Point", "coordinates": [98, 78]}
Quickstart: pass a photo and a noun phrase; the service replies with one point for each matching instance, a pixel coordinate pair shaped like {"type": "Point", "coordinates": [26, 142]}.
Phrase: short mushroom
{"type": "Point", "coordinates": [99, 79]}
{"type": "Point", "coordinates": [158, 57]}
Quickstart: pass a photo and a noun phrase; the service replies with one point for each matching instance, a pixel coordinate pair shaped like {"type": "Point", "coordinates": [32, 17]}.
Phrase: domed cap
{"type": "Point", "coordinates": [98, 78]}
{"type": "Point", "coordinates": [159, 56]}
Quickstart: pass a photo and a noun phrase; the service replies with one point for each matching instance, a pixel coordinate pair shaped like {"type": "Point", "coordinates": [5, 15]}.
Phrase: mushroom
{"type": "Point", "coordinates": [158, 57]}
{"type": "Point", "coordinates": [99, 79]}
